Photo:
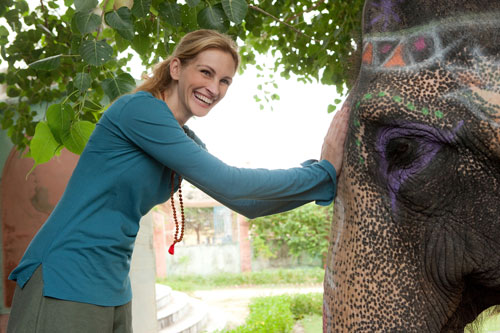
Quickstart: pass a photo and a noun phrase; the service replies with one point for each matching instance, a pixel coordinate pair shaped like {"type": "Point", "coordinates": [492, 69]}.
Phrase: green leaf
{"type": "Point", "coordinates": [59, 118]}
{"type": "Point", "coordinates": [47, 64]}
{"type": "Point", "coordinates": [236, 10]}
{"type": "Point", "coordinates": [76, 138]}
{"type": "Point", "coordinates": [192, 3]}
{"type": "Point", "coordinates": [121, 43]}
{"type": "Point", "coordinates": [13, 91]}
{"type": "Point", "coordinates": [96, 53]}
{"type": "Point", "coordinates": [141, 44]}
{"type": "Point", "coordinates": [331, 108]}
{"type": "Point", "coordinates": [87, 22]}
{"type": "Point", "coordinates": [85, 5]}
{"type": "Point", "coordinates": [109, 5]}
{"type": "Point", "coordinates": [123, 3]}
{"type": "Point", "coordinates": [141, 8]}
{"type": "Point", "coordinates": [189, 18]}
{"type": "Point", "coordinates": [171, 13]}
{"type": "Point", "coordinates": [82, 81]}
{"type": "Point", "coordinates": [213, 17]}
{"type": "Point", "coordinates": [3, 31]}
{"type": "Point", "coordinates": [43, 146]}
{"type": "Point", "coordinates": [119, 85]}
{"type": "Point", "coordinates": [121, 22]}
{"type": "Point", "coordinates": [22, 6]}
{"type": "Point", "coordinates": [127, 35]}
{"type": "Point", "coordinates": [119, 19]}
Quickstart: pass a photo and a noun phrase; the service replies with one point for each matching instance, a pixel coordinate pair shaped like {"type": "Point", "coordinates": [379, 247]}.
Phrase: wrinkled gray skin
{"type": "Point", "coordinates": [415, 241]}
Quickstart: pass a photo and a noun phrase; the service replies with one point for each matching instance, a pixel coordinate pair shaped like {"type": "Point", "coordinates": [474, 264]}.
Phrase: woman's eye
{"type": "Point", "coordinates": [205, 72]}
{"type": "Point", "coordinates": [401, 152]}
{"type": "Point", "coordinates": [226, 82]}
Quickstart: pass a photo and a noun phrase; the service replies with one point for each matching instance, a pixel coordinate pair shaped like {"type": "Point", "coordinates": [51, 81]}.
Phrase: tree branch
{"type": "Point", "coordinates": [105, 4]}
{"type": "Point", "coordinates": [44, 11]}
{"type": "Point", "coordinates": [310, 9]}
{"type": "Point", "coordinates": [282, 22]}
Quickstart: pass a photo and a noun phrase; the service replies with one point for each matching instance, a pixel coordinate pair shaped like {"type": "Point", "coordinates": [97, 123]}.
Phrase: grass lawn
{"type": "Point", "coordinates": [313, 275]}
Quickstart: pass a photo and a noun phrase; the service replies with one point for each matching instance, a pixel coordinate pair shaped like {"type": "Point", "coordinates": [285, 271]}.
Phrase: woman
{"type": "Point", "coordinates": [74, 275]}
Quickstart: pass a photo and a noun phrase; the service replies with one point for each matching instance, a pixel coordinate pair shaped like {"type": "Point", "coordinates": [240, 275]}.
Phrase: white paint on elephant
{"type": "Point", "coordinates": [480, 91]}
{"type": "Point", "coordinates": [432, 31]}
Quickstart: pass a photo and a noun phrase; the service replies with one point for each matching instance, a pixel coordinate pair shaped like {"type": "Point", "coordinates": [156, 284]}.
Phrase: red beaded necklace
{"type": "Point", "coordinates": [174, 213]}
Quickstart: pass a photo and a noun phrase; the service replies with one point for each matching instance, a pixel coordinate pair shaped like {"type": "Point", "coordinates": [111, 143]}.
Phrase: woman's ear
{"type": "Point", "coordinates": [175, 68]}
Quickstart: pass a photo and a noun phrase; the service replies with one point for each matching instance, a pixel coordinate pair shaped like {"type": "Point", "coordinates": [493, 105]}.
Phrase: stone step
{"type": "Point", "coordinates": [173, 311]}
{"type": "Point", "coordinates": [180, 313]}
{"type": "Point", "coordinates": [163, 295]}
{"type": "Point", "coordinates": [192, 320]}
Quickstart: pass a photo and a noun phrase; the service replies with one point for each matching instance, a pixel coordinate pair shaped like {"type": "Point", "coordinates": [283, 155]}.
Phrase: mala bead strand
{"type": "Point", "coordinates": [182, 210]}
{"type": "Point", "coordinates": [174, 213]}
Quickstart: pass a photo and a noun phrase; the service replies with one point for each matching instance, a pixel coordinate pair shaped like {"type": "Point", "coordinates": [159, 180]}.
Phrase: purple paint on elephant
{"type": "Point", "coordinates": [387, 12]}
{"type": "Point", "coordinates": [429, 141]}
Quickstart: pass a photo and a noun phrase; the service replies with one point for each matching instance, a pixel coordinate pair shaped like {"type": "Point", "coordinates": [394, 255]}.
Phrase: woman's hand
{"type": "Point", "coordinates": [333, 145]}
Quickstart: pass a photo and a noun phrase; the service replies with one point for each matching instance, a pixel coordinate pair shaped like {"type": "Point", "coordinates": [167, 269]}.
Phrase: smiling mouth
{"type": "Point", "coordinates": [204, 99]}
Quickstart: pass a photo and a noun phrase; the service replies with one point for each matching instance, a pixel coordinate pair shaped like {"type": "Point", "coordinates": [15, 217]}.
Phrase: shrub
{"type": "Point", "coordinates": [267, 315]}
{"type": "Point", "coordinates": [297, 232]}
{"type": "Point", "coordinates": [279, 313]}
{"type": "Point", "coordinates": [306, 304]}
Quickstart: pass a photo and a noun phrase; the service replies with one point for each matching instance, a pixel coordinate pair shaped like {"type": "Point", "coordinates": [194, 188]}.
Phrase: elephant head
{"type": "Point", "coordinates": [415, 241]}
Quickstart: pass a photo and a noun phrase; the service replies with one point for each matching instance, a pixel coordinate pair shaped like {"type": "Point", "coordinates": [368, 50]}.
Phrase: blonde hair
{"type": "Point", "coordinates": [192, 44]}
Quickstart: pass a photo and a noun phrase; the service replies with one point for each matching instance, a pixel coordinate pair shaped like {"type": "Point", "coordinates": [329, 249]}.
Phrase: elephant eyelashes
{"type": "Point", "coordinates": [401, 152]}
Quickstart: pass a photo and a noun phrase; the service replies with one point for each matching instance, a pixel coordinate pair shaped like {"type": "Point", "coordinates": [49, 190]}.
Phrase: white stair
{"type": "Point", "coordinates": [180, 313]}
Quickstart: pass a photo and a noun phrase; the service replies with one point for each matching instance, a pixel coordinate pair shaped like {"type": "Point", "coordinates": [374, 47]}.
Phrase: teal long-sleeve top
{"type": "Point", "coordinates": [86, 244]}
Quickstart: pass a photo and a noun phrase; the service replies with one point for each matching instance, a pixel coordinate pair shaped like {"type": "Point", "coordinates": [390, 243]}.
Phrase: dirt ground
{"type": "Point", "coordinates": [234, 301]}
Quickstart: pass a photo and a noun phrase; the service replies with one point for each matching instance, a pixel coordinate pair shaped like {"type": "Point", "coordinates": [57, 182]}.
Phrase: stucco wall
{"type": "Point", "coordinates": [204, 259]}
{"type": "Point", "coordinates": [5, 147]}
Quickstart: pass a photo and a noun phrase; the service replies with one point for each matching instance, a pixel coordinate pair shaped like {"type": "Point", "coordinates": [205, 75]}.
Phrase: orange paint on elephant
{"type": "Point", "coordinates": [368, 54]}
{"type": "Point", "coordinates": [397, 58]}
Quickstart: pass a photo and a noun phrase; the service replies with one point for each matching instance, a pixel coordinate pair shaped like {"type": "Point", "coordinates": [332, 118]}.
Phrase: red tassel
{"type": "Point", "coordinates": [171, 249]}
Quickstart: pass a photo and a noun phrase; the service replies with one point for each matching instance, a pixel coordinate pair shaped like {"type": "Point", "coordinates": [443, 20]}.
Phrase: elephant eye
{"type": "Point", "coordinates": [405, 149]}
{"type": "Point", "coordinates": [401, 153]}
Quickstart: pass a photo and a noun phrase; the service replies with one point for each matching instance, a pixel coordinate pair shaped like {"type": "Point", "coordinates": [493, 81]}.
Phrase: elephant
{"type": "Point", "coordinates": [415, 237]}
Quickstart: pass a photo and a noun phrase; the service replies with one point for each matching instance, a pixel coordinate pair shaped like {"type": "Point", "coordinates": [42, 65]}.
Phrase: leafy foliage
{"type": "Point", "coordinates": [279, 313]}
{"type": "Point", "coordinates": [303, 305]}
{"type": "Point", "coordinates": [267, 314]}
{"type": "Point", "coordinates": [487, 321]}
{"type": "Point", "coordinates": [77, 54]}
{"type": "Point", "coordinates": [299, 231]}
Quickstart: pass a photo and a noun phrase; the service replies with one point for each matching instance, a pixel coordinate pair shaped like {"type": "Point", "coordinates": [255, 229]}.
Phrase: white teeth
{"type": "Point", "coordinates": [203, 98]}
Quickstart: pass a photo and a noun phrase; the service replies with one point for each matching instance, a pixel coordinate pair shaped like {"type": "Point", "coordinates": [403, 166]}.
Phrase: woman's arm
{"type": "Point", "coordinates": [256, 208]}
{"type": "Point", "coordinates": [249, 208]}
{"type": "Point", "coordinates": [333, 149]}
{"type": "Point", "coordinates": [150, 125]}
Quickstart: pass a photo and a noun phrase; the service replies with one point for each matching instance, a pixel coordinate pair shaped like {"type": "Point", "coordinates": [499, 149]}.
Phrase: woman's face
{"type": "Point", "coordinates": [204, 81]}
